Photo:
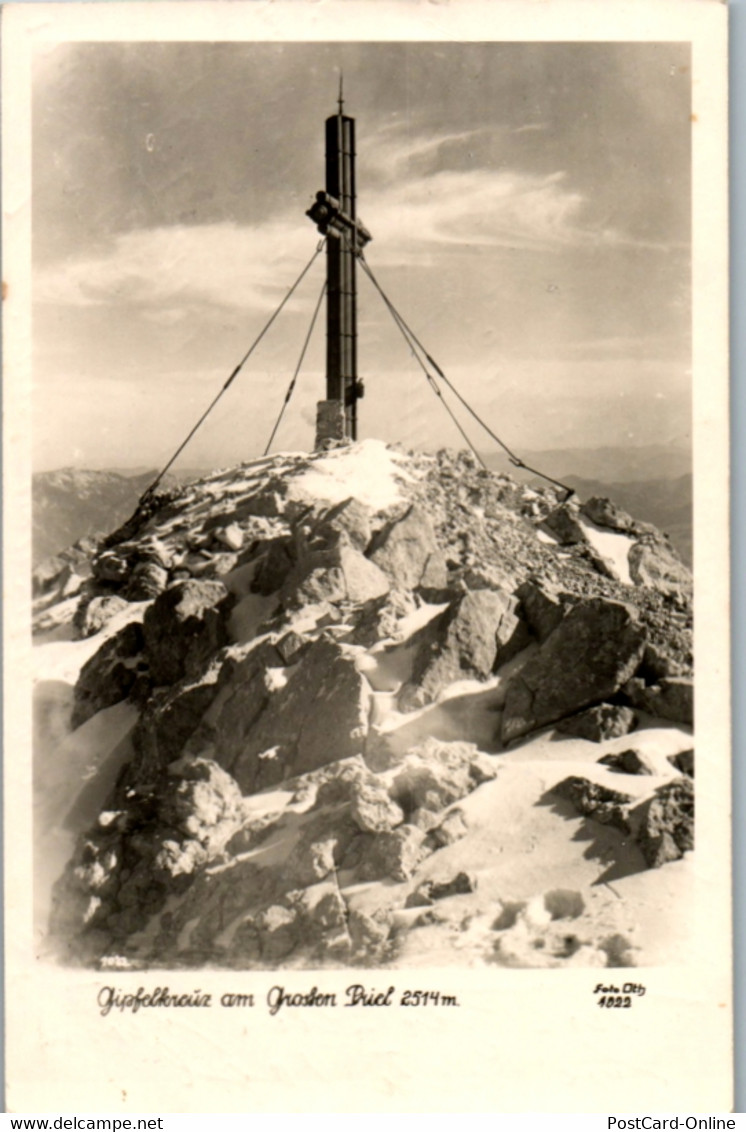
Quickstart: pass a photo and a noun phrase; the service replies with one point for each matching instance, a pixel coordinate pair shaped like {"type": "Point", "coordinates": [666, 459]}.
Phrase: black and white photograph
{"type": "Point", "coordinates": [363, 448]}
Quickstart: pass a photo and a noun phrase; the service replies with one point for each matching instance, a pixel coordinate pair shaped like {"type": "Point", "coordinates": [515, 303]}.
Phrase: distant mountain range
{"type": "Point", "coordinates": [70, 503]}
{"type": "Point", "coordinates": [653, 483]}
{"type": "Point", "coordinates": [608, 465]}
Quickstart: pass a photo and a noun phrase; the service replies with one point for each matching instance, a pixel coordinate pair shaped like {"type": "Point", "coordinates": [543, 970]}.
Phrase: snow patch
{"type": "Point", "coordinates": [611, 545]}
{"type": "Point", "coordinates": [367, 471]}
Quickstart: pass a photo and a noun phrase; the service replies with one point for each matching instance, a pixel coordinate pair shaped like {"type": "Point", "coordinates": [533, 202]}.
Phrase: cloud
{"type": "Point", "coordinates": [167, 271]}
{"type": "Point", "coordinates": [484, 208]}
{"type": "Point", "coordinates": [393, 150]}
{"type": "Point", "coordinates": [170, 269]}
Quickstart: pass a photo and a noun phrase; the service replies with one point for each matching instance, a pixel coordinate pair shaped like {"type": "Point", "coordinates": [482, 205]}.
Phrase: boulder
{"type": "Point", "coordinates": [291, 647]}
{"type": "Point", "coordinates": [109, 675]}
{"type": "Point", "coordinates": [654, 563]}
{"type": "Point", "coordinates": [170, 719]}
{"type": "Point", "coordinates": [278, 928]}
{"type": "Point", "coordinates": [350, 516]}
{"type": "Point", "coordinates": [683, 762]}
{"type": "Point", "coordinates": [319, 716]}
{"type": "Point", "coordinates": [111, 566]}
{"type": "Point", "coordinates": [312, 860]}
{"type": "Point", "coordinates": [93, 615]}
{"type": "Point", "coordinates": [672, 698]}
{"type": "Point", "coordinates": [277, 559]}
{"type": "Point", "coordinates": [667, 829]}
{"type": "Point", "coordinates": [148, 579]}
{"type": "Point", "coordinates": [610, 807]}
{"type": "Point", "coordinates": [394, 855]}
{"type": "Point", "coordinates": [231, 536]}
{"type": "Point", "coordinates": [475, 634]}
{"type": "Point", "coordinates": [381, 618]}
{"type": "Point", "coordinates": [437, 774]}
{"type": "Point", "coordinates": [604, 721]}
{"type": "Point", "coordinates": [452, 828]}
{"type": "Point", "coordinates": [564, 523]}
{"type": "Point", "coordinates": [184, 627]}
{"type": "Point", "coordinates": [373, 810]}
{"type": "Point", "coordinates": [339, 573]}
{"type": "Point", "coordinates": [588, 657]}
{"type": "Point", "coordinates": [203, 802]}
{"type": "Point", "coordinates": [431, 890]}
{"type": "Point", "coordinates": [630, 762]}
{"type": "Point", "coordinates": [408, 553]}
{"type": "Point", "coordinates": [604, 513]}
{"type": "Point", "coordinates": [323, 920]}
{"type": "Point", "coordinates": [370, 933]}
{"type": "Point", "coordinates": [543, 607]}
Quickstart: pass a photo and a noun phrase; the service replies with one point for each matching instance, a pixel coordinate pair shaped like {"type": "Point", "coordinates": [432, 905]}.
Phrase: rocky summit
{"type": "Point", "coordinates": [364, 707]}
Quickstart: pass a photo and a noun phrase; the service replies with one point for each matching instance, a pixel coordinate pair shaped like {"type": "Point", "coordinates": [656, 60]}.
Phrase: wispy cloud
{"type": "Point", "coordinates": [166, 270]}
{"type": "Point", "coordinates": [393, 151]}
{"type": "Point", "coordinates": [483, 208]}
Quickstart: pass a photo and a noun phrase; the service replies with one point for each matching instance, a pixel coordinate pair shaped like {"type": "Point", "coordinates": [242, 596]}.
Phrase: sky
{"type": "Point", "coordinates": [530, 211]}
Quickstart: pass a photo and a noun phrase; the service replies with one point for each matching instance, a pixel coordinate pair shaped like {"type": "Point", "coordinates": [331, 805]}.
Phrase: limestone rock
{"type": "Point", "coordinates": [543, 607]}
{"type": "Point", "coordinates": [369, 934]}
{"type": "Point", "coordinates": [93, 615]}
{"type": "Point", "coordinates": [311, 860]}
{"type": "Point", "coordinates": [323, 919]}
{"type": "Point", "coordinates": [148, 579]}
{"type": "Point", "coordinates": [111, 566]}
{"type": "Point", "coordinates": [654, 563]}
{"type": "Point", "coordinates": [408, 553]}
{"type": "Point", "coordinates": [318, 717]}
{"type": "Point", "coordinates": [588, 657]}
{"type": "Point", "coordinates": [202, 798]}
{"type": "Point", "coordinates": [604, 721]}
{"type": "Point", "coordinates": [339, 573]}
{"type": "Point", "coordinates": [381, 617]}
{"type": "Point", "coordinates": [684, 762]}
{"type": "Point", "coordinates": [278, 928]}
{"type": "Point", "coordinates": [630, 762]}
{"type": "Point", "coordinates": [184, 627]}
{"type": "Point", "coordinates": [604, 513]}
{"type": "Point", "coordinates": [395, 854]}
{"type": "Point", "coordinates": [109, 675]}
{"type": "Point", "coordinates": [667, 830]}
{"type": "Point", "coordinates": [610, 807]}
{"type": "Point", "coordinates": [291, 647]}
{"type": "Point", "coordinates": [277, 559]}
{"type": "Point", "coordinates": [672, 698]}
{"type": "Point", "coordinates": [436, 774]}
{"type": "Point", "coordinates": [169, 720]}
{"type": "Point", "coordinates": [353, 518]}
{"type": "Point", "coordinates": [231, 536]}
{"type": "Point", "coordinates": [45, 575]}
{"type": "Point", "coordinates": [431, 890]}
{"type": "Point", "coordinates": [474, 634]}
{"type": "Point", "coordinates": [373, 810]}
{"type": "Point", "coordinates": [564, 523]}
{"type": "Point", "coordinates": [452, 828]}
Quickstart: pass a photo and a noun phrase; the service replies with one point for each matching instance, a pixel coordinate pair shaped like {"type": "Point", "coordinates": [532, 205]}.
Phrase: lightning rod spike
{"type": "Point", "coordinates": [340, 99]}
